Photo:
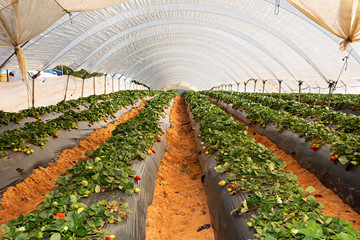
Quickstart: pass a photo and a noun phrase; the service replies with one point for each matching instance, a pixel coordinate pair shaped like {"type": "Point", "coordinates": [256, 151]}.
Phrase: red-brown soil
{"type": "Point", "coordinates": [333, 205]}
{"type": "Point", "coordinates": [25, 196]}
{"type": "Point", "coordinates": [179, 207]}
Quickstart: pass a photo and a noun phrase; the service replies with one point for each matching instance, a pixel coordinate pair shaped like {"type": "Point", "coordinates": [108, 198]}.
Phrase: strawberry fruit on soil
{"type": "Point", "coordinates": [137, 178]}
{"type": "Point", "coordinates": [56, 135]}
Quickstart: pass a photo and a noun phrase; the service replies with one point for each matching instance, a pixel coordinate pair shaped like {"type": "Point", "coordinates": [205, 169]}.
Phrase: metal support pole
{"type": "Point", "coordinates": [280, 81]}
{"type": "Point", "coordinates": [245, 85]}
{"type": "Point", "coordinates": [331, 85]}
{"type": "Point", "coordinates": [105, 84]}
{"type": "Point", "coordinates": [112, 79]}
{"type": "Point", "coordinates": [299, 95]}
{"type": "Point", "coordinates": [94, 85]}
{"type": "Point", "coordinates": [67, 84]}
{"type": "Point", "coordinates": [238, 85]}
{"type": "Point", "coordinates": [82, 89]}
{"type": "Point", "coordinates": [33, 93]}
{"type": "Point", "coordinates": [263, 90]}
{"type": "Point", "coordinates": [33, 89]}
{"type": "Point", "coordinates": [255, 80]}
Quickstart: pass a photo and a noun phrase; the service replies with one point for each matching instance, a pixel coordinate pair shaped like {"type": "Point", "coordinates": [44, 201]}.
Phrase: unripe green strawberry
{"type": "Point", "coordinates": [84, 182]}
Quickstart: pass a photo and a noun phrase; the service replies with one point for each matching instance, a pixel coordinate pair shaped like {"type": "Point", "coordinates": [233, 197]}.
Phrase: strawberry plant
{"type": "Point", "coordinates": [279, 207]}
{"type": "Point", "coordinates": [32, 132]}
{"type": "Point", "coordinates": [346, 145]}
{"type": "Point", "coordinates": [61, 216]}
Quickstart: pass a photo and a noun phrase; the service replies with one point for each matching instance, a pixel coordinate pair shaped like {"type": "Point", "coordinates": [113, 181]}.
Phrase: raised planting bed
{"type": "Point", "coordinates": [347, 123]}
{"type": "Point", "coordinates": [17, 166]}
{"type": "Point", "coordinates": [338, 101]}
{"type": "Point", "coordinates": [243, 181]}
{"type": "Point", "coordinates": [18, 138]}
{"type": "Point", "coordinates": [123, 169]}
{"type": "Point", "coordinates": [317, 156]}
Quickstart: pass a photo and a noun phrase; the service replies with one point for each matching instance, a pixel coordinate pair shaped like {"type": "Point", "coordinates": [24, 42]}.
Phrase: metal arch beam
{"type": "Point", "coordinates": [165, 83]}
{"type": "Point", "coordinates": [193, 50]}
{"type": "Point", "coordinates": [232, 43]}
{"type": "Point", "coordinates": [231, 31]}
{"type": "Point", "coordinates": [232, 56]}
{"type": "Point", "coordinates": [234, 15]}
{"type": "Point", "coordinates": [170, 47]}
{"type": "Point", "coordinates": [186, 62]}
{"type": "Point", "coordinates": [282, 38]}
{"type": "Point", "coordinates": [181, 69]}
{"type": "Point", "coordinates": [247, 52]}
{"type": "Point", "coordinates": [204, 58]}
{"type": "Point", "coordinates": [198, 84]}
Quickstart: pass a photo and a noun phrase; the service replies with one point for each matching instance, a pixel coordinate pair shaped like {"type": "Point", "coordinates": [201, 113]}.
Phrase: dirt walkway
{"type": "Point", "coordinates": [333, 205]}
{"type": "Point", "coordinates": [25, 196]}
{"type": "Point", "coordinates": [179, 207]}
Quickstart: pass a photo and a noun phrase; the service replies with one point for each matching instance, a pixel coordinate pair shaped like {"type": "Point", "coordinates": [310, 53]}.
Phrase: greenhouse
{"type": "Point", "coordinates": [165, 119]}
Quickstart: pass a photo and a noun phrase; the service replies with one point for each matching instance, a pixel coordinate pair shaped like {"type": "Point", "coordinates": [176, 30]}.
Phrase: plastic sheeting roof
{"type": "Point", "coordinates": [167, 43]}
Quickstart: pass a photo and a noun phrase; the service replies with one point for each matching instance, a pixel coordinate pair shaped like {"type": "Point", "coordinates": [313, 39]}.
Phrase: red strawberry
{"type": "Point", "coordinates": [137, 178]}
{"type": "Point", "coordinates": [315, 147]}
{"type": "Point", "coordinates": [150, 146]}
{"type": "Point", "coordinates": [114, 116]}
{"type": "Point", "coordinates": [231, 186]}
{"type": "Point", "coordinates": [159, 139]}
{"type": "Point", "coordinates": [163, 110]}
{"type": "Point", "coordinates": [89, 125]}
{"type": "Point", "coordinates": [207, 146]}
{"type": "Point", "coordinates": [109, 238]}
{"type": "Point", "coordinates": [162, 132]}
{"type": "Point", "coordinates": [56, 135]}
{"type": "Point", "coordinates": [279, 130]}
{"type": "Point", "coordinates": [60, 215]}
{"type": "Point", "coordinates": [153, 150]}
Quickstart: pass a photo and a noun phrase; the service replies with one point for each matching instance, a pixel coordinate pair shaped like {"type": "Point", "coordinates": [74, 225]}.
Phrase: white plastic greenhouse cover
{"type": "Point", "coordinates": [193, 44]}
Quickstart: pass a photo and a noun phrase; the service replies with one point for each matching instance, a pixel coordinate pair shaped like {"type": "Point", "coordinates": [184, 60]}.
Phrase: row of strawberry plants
{"type": "Point", "coordinates": [347, 123]}
{"type": "Point", "coordinates": [338, 101]}
{"type": "Point", "coordinates": [345, 147]}
{"type": "Point", "coordinates": [7, 117]}
{"type": "Point", "coordinates": [280, 208]}
{"type": "Point", "coordinates": [38, 132]}
{"type": "Point", "coordinates": [61, 216]}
